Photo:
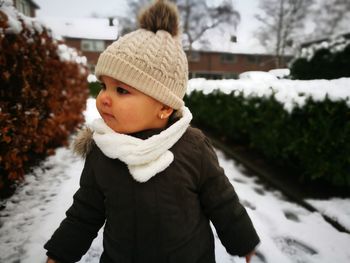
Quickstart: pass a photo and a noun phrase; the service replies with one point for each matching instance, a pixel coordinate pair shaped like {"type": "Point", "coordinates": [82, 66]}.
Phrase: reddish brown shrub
{"type": "Point", "coordinates": [41, 99]}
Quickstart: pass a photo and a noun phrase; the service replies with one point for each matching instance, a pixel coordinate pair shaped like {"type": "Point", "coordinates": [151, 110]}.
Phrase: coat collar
{"type": "Point", "coordinates": [145, 153]}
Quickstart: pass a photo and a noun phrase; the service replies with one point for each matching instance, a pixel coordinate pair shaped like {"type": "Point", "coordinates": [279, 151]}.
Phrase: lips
{"type": "Point", "coordinates": [107, 115]}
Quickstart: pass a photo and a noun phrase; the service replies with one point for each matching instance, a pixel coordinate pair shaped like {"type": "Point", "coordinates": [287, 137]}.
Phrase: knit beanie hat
{"type": "Point", "coordinates": [150, 59]}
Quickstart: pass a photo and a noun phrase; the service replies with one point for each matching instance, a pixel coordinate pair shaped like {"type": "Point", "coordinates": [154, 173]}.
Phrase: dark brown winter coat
{"type": "Point", "coordinates": [165, 219]}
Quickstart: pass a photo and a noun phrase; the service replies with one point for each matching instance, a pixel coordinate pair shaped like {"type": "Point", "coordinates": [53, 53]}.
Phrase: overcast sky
{"type": "Point", "coordinates": [84, 8]}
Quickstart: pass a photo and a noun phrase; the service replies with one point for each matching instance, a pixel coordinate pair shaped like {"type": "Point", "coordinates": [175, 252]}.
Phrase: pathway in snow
{"type": "Point", "coordinates": [288, 232]}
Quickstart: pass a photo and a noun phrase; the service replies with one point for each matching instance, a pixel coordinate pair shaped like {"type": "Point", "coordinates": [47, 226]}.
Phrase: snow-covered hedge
{"type": "Point", "coordinates": [94, 85]}
{"type": "Point", "coordinates": [300, 125]}
{"type": "Point", "coordinates": [325, 60]}
{"type": "Point", "coordinates": [43, 90]}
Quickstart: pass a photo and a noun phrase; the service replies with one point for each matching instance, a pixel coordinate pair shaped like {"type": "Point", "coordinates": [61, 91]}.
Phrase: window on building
{"type": "Point", "coordinates": [253, 59]}
{"type": "Point", "coordinates": [194, 56]}
{"type": "Point", "coordinates": [92, 45]}
{"type": "Point", "coordinates": [23, 7]}
{"type": "Point", "coordinates": [231, 75]}
{"type": "Point", "coordinates": [228, 58]}
{"type": "Point", "coordinates": [205, 75]}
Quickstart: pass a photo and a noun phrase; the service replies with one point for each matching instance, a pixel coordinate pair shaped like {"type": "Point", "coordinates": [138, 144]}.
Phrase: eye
{"type": "Point", "coordinates": [122, 91]}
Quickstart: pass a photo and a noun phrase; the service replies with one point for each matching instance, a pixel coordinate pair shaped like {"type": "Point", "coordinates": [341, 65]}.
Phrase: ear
{"type": "Point", "coordinates": [165, 112]}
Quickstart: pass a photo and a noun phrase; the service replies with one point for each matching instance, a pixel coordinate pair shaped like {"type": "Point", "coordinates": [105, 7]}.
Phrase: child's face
{"type": "Point", "coordinates": [125, 109]}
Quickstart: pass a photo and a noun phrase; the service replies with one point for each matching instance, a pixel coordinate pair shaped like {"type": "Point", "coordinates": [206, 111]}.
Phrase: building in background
{"type": "Point", "coordinates": [92, 35]}
{"type": "Point", "coordinates": [27, 7]}
{"type": "Point", "coordinates": [89, 47]}
{"type": "Point", "coordinates": [89, 35]}
{"type": "Point", "coordinates": [225, 65]}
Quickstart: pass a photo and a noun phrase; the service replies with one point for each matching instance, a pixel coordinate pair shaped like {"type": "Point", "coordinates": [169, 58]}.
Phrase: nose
{"type": "Point", "coordinates": [105, 98]}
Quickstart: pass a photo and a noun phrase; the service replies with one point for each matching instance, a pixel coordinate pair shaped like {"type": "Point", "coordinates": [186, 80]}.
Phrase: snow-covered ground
{"type": "Point", "coordinates": [288, 232]}
{"type": "Point", "coordinates": [335, 208]}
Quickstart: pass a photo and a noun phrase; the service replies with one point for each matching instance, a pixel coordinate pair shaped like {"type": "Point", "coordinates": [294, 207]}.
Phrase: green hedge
{"type": "Point", "coordinates": [324, 64]}
{"type": "Point", "coordinates": [313, 140]}
{"type": "Point", "coordinates": [94, 88]}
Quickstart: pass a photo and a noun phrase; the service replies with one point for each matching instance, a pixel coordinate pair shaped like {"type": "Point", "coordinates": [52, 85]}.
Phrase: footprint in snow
{"type": "Point", "coordinates": [296, 250]}
{"type": "Point", "coordinates": [248, 204]}
{"type": "Point", "coordinates": [291, 216]}
{"type": "Point", "coordinates": [259, 190]}
{"type": "Point", "coordinates": [237, 180]}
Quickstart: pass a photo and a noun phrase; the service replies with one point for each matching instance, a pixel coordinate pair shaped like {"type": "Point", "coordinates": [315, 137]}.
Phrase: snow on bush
{"type": "Point", "coordinates": [43, 93]}
{"type": "Point", "coordinates": [328, 59]}
{"type": "Point", "coordinates": [257, 75]}
{"type": "Point", "coordinates": [290, 93]}
{"type": "Point", "coordinates": [280, 73]}
{"type": "Point", "coordinates": [92, 78]}
{"type": "Point", "coordinates": [14, 22]}
{"type": "Point", "coordinates": [16, 19]}
{"type": "Point", "coordinates": [334, 45]}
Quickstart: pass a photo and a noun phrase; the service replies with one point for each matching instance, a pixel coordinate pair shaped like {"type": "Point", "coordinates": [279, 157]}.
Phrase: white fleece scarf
{"type": "Point", "coordinates": [144, 158]}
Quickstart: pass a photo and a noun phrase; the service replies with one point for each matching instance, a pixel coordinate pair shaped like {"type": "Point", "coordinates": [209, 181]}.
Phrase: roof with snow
{"type": "Point", "coordinates": [85, 28]}
{"type": "Point", "coordinates": [99, 29]}
{"type": "Point", "coordinates": [33, 4]}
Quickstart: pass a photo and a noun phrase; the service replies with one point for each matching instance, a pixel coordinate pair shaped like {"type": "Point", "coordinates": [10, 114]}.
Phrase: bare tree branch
{"type": "Point", "coordinates": [280, 21]}
{"type": "Point", "coordinates": [197, 17]}
{"type": "Point", "coordinates": [331, 17]}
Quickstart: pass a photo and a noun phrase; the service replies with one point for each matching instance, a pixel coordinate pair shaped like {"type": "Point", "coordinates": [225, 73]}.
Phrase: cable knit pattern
{"type": "Point", "coordinates": [144, 158]}
{"type": "Point", "coordinates": [153, 63]}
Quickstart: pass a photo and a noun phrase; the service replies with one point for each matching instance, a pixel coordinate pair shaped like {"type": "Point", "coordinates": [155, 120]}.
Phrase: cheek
{"type": "Point", "coordinates": [134, 114]}
{"type": "Point", "coordinates": [124, 110]}
{"type": "Point", "coordinates": [98, 104]}
{"type": "Point", "coordinates": [141, 112]}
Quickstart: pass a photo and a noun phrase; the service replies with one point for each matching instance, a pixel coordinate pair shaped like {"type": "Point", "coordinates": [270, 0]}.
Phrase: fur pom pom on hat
{"type": "Point", "coordinates": [150, 59]}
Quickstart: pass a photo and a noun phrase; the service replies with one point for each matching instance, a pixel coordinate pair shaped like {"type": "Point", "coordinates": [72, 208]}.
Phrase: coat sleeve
{"type": "Point", "coordinates": [83, 220]}
{"type": "Point", "coordinates": [221, 204]}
